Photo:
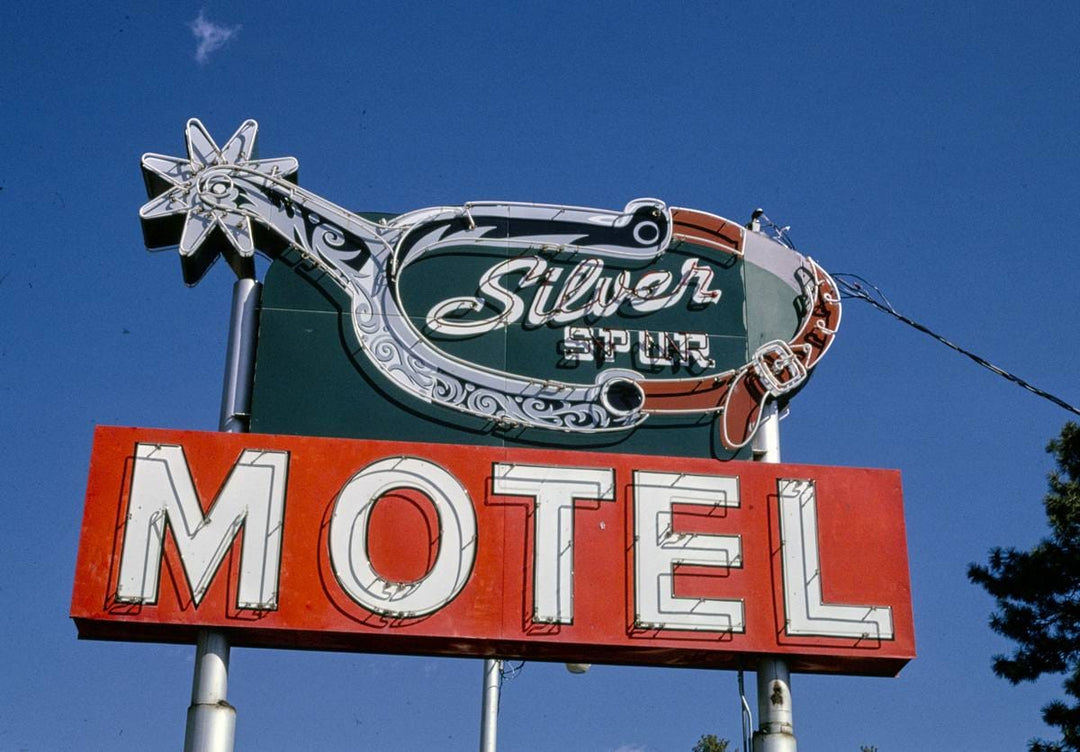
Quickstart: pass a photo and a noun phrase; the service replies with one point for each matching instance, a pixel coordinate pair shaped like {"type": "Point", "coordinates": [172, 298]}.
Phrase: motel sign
{"type": "Point", "coordinates": [450, 550]}
{"type": "Point", "coordinates": [497, 429]}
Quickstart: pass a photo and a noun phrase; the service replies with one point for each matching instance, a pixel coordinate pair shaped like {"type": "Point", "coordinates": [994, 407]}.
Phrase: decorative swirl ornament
{"type": "Point", "coordinates": [225, 201]}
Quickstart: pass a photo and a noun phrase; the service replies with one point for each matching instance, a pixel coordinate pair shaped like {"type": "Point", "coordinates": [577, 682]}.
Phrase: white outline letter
{"type": "Point", "coordinates": [348, 538]}
{"type": "Point", "coordinates": [162, 493]}
{"type": "Point", "coordinates": [553, 490]}
{"type": "Point", "coordinates": [805, 609]}
{"type": "Point", "coordinates": [658, 549]}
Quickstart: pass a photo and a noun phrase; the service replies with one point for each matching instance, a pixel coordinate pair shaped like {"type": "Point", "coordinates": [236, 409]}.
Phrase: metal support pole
{"type": "Point", "coordinates": [775, 730]}
{"type": "Point", "coordinates": [240, 357]}
{"type": "Point", "coordinates": [775, 733]}
{"type": "Point", "coordinates": [489, 711]}
{"type": "Point", "coordinates": [747, 738]}
{"type": "Point", "coordinates": [211, 720]}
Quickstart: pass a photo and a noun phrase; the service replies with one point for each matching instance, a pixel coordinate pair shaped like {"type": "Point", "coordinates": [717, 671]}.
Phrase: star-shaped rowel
{"type": "Point", "coordinates": [198, 202]}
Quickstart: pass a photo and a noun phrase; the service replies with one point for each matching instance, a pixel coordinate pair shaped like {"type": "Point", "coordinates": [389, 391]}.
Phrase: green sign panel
{"type": "Point", "coordinates": [662, 332]}
{"type": "Point", "coordinates": [650, 329]}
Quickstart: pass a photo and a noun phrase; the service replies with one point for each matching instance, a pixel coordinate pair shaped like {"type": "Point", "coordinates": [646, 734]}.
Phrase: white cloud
{"type": "Point", "coordinates": [210, 36]}
{"type": "Point", "coordinates": [630, 748]}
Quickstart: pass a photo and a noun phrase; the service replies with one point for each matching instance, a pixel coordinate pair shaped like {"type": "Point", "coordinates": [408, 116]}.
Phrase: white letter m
{"type": "Point", "coordinates": [163, 494]}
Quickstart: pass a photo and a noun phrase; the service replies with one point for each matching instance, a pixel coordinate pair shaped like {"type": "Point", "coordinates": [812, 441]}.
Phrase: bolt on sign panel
{"type": "Point", "coordinates": [286, 541]}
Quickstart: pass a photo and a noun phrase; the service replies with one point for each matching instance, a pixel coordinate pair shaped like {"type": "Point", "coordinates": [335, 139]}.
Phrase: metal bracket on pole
{"type": "Point", "coordinates": [775, 733]}
{"type": "Point", "coordinates": [211, 720]}
{"type": "Point", "coordinates": [489, 711]}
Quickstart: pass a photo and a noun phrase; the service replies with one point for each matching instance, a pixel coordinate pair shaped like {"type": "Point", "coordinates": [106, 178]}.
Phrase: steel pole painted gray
{"type": "Point", "coordinates": [489, 711]}
{"type": "Point", "coordinates": [766, 442]}
{"type": "Point", "coordinates": [211, 720]}
{"type": "Point", "coordinates": [775, 730]}
{"type": "Point", "coordinates": [747, 717]}
{"type": "Point", "coordinates": [240, 357]}
{"type": "Point", "coordinates": [775, 733]}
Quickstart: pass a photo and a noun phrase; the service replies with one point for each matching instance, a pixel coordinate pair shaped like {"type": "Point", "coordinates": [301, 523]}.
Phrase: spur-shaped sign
{"type": "Point", "coordinates": [467, 550]}
{"type": "Point", "coordinates": [546, 323]}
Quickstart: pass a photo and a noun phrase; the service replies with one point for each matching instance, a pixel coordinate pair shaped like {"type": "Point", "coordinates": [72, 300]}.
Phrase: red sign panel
{"type": "Point", "coordinates": [285, 541]}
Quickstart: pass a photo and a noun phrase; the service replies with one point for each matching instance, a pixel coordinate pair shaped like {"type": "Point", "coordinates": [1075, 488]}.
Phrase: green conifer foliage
{"type": "Point", "coordinates": [1038, 597]}
{"type": "Point", "coordinates": [711, 743]}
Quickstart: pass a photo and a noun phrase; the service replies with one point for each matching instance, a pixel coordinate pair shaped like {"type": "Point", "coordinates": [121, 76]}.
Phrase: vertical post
{"type": "Point", "coordinates": [240, 357]}
{"type": "Point", "coordinates": [775, 733]}
{"type": "Point", "coordinates": [775, 730]}
{"type": "Point", "coordinates": [211, 720]}
{"type": "Point", "coordinates": [747, 718]}
{"type": "Point", "coordinates": [489, 711]}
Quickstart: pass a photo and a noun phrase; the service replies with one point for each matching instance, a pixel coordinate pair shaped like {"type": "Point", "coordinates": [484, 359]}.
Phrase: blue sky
{"type": "Point", "coordinates": [932, 149]}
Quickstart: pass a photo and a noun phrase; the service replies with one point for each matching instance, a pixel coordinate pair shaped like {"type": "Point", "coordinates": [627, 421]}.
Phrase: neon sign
{"type": "Point", "coordinates": [593, 295]}
{"type": "Point", "coordinates": [621, 307]}
{"type": "Point", "coordinates": [610, 558]}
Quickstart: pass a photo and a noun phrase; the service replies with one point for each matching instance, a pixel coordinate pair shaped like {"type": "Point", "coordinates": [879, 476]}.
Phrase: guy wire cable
{"type": "Point", "coordinates": [857, 287]}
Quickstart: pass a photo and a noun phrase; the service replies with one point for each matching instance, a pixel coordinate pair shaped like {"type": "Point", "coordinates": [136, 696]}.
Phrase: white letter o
{"type": "Point", "coordinates": [349, 531]}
